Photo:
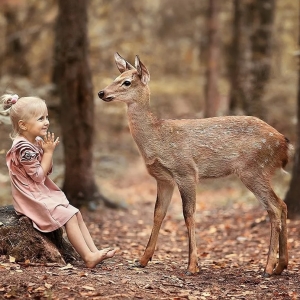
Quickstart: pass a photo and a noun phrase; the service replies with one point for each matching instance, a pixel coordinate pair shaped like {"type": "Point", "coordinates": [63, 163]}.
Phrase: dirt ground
{"type": "Point", "coordinates": [232, 235]}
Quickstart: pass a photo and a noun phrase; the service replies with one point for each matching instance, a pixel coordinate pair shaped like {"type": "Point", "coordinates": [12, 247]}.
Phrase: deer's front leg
{"type": "Point", "coordinates": [187, 189]}
{"type": "Point", "coordinates": [164, 194]}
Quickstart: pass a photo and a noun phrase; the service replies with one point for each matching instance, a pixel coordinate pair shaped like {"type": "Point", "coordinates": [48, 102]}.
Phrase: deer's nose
{"type": "Point", "coordinates": [101, 94]}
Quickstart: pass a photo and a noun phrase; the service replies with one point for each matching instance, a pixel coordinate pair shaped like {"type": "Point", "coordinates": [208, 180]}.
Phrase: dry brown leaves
{"type": "Point", "coordinates": [232, 248]}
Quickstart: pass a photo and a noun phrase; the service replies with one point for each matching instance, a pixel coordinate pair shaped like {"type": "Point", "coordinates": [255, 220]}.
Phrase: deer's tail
{"type": "Point", "coordinates": [289, 152]}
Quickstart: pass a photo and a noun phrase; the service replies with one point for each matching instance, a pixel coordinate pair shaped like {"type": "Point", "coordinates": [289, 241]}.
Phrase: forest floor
{"type": "Point", "coordinates": [232, 234]}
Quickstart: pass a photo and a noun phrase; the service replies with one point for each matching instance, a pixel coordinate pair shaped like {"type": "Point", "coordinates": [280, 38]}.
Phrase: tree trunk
{"type": "Point", "coordinates": [292, 198]}
{"type": "Point", "coordinates": [251, 55]}
{"type": "Point", "coordinates": [73, 76]}
{"type": "Point", "coordinates": [239, 60]}
{"type": "Point", "coordinates": [20, 240]}
{"type": "Point", "coordinates": [212, 75]}
{"type": "Point", "coordinates": [14, 58]}
{"type": "Point", "coordinates": [261, 41]}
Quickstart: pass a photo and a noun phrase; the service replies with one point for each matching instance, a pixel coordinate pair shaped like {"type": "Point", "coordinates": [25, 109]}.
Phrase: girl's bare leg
{"type": "Point", "coordinates": [77, 240]}
{"type": "Point", "coordinates": [88, 239]}
{"type": "Point", "coordinates": [86, 234]}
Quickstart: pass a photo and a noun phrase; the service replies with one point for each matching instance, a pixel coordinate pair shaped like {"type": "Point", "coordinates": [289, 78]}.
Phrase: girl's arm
{"type": "Point", "coordinates": [46, 162]}
{"type": "Point", "coordinates": [48, 144]}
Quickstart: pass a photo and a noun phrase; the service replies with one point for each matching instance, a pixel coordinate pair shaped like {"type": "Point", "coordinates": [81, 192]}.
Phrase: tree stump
{"type": "Point", "coordinates": [19, 239]}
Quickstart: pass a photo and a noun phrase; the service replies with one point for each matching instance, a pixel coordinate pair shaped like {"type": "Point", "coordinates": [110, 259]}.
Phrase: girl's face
{"type": "Point", "coordinates": [35, 126]}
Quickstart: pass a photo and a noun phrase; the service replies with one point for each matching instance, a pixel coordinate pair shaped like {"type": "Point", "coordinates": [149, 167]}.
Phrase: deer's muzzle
{"type": "Point", "coordinates": [101, 95]}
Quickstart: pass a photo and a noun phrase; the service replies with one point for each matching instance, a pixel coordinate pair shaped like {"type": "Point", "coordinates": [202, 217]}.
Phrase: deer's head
{"type": "Point", "coordinates": [131, 86]}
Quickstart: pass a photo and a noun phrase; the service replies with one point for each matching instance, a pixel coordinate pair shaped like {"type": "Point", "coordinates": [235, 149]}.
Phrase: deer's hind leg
{"type": "Point", "coordinates": [277, 212]}
{"type": "Point", "coordinates": [164, 194]}
{"type": "Point", "coordinates": [283, 252]}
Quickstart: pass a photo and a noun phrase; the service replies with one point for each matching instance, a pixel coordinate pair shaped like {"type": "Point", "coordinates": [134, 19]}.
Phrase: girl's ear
{"type": "Point", "coordinates": [22, 125]}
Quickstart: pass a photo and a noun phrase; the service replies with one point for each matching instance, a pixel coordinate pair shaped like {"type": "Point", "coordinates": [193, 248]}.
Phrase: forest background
{"type": "Point", "coordinates": [172, 38]}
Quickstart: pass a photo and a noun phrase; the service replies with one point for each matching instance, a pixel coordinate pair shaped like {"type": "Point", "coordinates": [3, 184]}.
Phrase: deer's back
{"type": "Point", "coordinates": [216, 147]}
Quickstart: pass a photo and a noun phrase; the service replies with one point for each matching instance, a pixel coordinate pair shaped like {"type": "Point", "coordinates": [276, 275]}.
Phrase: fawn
{"type": "Point", "coordinates": [183, 151]}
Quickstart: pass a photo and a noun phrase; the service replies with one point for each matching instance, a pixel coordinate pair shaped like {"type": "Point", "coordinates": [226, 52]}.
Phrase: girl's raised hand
{"type": "Point", "coordinates": [49, 143]}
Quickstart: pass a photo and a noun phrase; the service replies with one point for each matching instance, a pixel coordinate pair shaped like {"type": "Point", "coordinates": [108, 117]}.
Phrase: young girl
{"type": "Point", "coordinates": [35, 195]}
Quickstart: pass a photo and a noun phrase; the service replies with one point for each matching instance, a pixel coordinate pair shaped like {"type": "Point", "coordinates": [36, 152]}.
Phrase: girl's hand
{"type": "Point", "coordinates": [49, 143]}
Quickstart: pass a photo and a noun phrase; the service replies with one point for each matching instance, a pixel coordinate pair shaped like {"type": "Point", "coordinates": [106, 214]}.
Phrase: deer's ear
{"type": "Point", "coordinates": [122, 64]}
{"type": "Point", "coordinates": [142, 71]}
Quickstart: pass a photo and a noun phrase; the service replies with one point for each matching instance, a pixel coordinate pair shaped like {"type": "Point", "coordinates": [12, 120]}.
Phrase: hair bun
{"type": "Point", "coordinates": [9, 100]}
{"type": "Point", "coordinates": [14, 98]}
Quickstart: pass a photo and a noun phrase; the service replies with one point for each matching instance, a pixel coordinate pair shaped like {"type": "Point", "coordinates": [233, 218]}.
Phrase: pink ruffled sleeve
{"type": "Point", "coordinates": [29, 157]}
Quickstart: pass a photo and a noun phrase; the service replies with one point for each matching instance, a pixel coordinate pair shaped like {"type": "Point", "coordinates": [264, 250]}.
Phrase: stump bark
{"type": "Point", "coordinates": [19, 239]}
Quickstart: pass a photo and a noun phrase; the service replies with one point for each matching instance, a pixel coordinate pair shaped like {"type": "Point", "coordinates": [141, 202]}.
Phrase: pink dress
{"type": "Point", "coordinates": [35, 195]}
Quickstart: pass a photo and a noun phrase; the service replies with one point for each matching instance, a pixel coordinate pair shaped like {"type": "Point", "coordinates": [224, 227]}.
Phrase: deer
{"type": "Point", "coordinates": [184, 151]}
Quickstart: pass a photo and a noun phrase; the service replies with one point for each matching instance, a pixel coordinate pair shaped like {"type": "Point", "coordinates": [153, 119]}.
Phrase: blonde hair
{"type": "Point", "coordinates": [23, 108]}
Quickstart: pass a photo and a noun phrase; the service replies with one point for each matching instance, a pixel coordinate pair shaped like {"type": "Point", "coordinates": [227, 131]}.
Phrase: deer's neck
{"type": "Point", "coordinates": [144, 128]}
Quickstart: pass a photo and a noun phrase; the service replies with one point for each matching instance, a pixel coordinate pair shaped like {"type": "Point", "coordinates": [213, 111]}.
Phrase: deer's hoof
{"type": "Point", "coordinates": [189, 273]}
{"type": "Point", "coordinates": [138, 264]}
{"type": "Point", "coordinates": [192, 269]}
{"type": "Point", "coordinates": [266, 275]}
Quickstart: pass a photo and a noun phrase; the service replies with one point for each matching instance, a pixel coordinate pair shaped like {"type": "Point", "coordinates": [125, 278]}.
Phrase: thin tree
{"type": "Point", "coordinates": [239, 60]}
{"type": "Point", "coordinates": [251, 55]}
{"type": "Point", "coordinates": [14, 59]}
{"type": "Point", "coordinates": [74, 81]}
{"type": "Point", "coordinates": [261, 41]}
{"type": "Point", "coordinates": [212, 73]}
{"type": "Point", "coordinates": [292, 198]}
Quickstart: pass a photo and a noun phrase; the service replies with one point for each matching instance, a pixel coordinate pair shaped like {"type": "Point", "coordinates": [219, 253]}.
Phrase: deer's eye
{"type": "Point", "coordinates": [126, 83]}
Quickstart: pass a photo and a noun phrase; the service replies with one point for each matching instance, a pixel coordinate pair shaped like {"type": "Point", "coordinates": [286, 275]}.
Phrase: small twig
{"type": "Point", "coordinates": [174, 285]}
{"type": "Point", "coordinates": [39, 264]}
{"type": "Point", "coordinates": [10, 242]}
{"type": "Point", "coordinates": [118, 296]}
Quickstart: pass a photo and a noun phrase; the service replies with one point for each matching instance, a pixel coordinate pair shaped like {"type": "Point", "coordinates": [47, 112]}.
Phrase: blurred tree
{"type": "Point", "coordinates": [26, 33]}
{"type": "Point", "coordinates": [212, 73]}
{"type": "Point", "coordinates": [238, 62]}
{"type": "Point", "coordinates": [251, 55]}
{"type": "Point", "coordinates": [15, 50]}
{"type": "Point", "coordinates": [292, 198]}
{"type": "Point", "coordinates": [73, 78]}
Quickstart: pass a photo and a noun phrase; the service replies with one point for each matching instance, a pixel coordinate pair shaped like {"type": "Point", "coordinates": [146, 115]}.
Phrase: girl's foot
{"type": "Point", "coordinates": [97, 257]}
{"type": "Point", "coordinates": [110, 253]}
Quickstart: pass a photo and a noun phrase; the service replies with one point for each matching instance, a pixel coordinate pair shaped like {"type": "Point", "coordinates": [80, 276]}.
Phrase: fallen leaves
{"type": "Point", "coordinates": [67, 267]}
{"type": "Point", "coordinates": [12, 259]}
{"type": "Point", "coordinates": [232, 248]}
{"type": "Point", "coordinates": [86, 287]}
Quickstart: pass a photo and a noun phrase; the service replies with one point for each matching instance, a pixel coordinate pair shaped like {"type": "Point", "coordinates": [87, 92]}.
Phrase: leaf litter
{"type": "Point", "coordinates": [232, 245]}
